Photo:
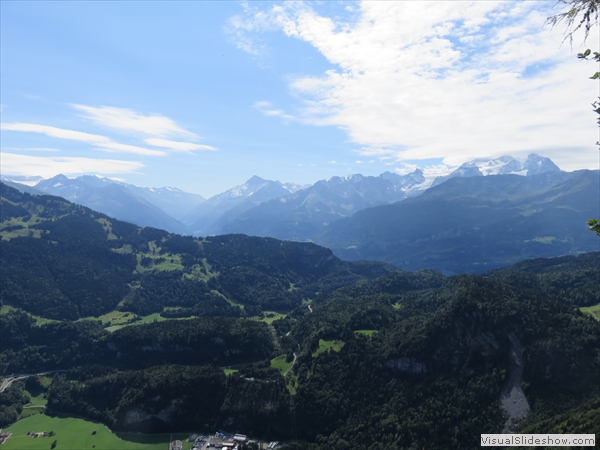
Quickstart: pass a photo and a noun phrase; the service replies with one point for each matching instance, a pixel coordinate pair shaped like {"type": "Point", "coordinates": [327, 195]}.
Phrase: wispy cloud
{"type": "Point", "coordinates": [178, 146]}
{"type": "Point", "coordinates": [383, 153]}
{"type": "Point", "coordinates": [245, 29]}
{"type": "Point", "coordinates": [130, 121]}
{"type": "Point", "coordinates": [115, 147]}
{"type": "Point", "coordinates": [16, 164]}
{"type": "Point", "coordinates": [55, 132]}
{"type": "Point", "coordinates": [268, 109]}
{"type": "Point", "coordinates": [100, 142]}
{"type": "Point", "coordinates": [31, 149]}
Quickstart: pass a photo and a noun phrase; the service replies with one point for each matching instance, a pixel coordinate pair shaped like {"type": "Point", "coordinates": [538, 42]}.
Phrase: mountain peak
{"type": "Point", "coordinates": [255, 179]}
{"type": "Point", "coordinates": [59, 177]}
{"type": "Point", "coordinates": [535, 164]}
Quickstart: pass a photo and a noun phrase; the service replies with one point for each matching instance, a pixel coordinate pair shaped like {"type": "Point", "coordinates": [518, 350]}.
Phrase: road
{"type": "Point", "coordinates": [19, 376]}
{"type": "Point", "coordinates": [293, 362]}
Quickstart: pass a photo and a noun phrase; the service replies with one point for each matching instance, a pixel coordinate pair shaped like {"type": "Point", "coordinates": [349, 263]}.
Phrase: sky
{"type": "Point", "coordinates": [202, 95]}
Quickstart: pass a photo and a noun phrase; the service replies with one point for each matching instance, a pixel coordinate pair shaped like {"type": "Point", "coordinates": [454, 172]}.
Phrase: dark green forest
{"type": "Point", "coordinates": [64, 261]}
{"type": "Point", "coordinates": [377, 357]}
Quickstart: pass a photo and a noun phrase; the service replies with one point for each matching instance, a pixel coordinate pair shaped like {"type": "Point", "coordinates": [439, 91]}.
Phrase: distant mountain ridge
{"type": "Point", "coordinates": [142, 206]}
{"type": "Point", "coordinates": [504, 165]}
{"type": "Point", "coordinates": [210, 216]}
{"type": "Point", "coordinates": [264, 207]}
{"type": "Point", "coordinates": [474, 224]}
{"type": "Point", "coordinates": [301, 215]}
{"type": "Point", "coordinates": [306, 214]}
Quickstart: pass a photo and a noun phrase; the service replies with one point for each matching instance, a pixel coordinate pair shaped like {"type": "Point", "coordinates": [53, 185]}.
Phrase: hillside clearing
{"type": "Point", "coordinates": [594, 311]}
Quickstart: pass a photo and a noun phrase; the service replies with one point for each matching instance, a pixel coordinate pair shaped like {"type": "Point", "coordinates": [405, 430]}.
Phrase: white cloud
{"type": "Point", "coordinates": [100, 142]}
{"type": "Point", "coordinates": [178, 146]}
{"type": "Point", "coordinates": [28, 165]}
{"type": "Point", "coordinates": [245, 28]}
{"type": "Point", "coordinates": [268, 110]}
{"type": "Point", "coordinates": [31, 149]}
{"type": "Point", "coordinates": [55, 132]}
{"type": "Point", "coordinates": [405, 169]}
{"type": "Point", "coordinates": [375, 151]}
{"type": "Point", "coordinates": [453, 80]}
{"type": "Point", "coordinates": [115, 147]}
{"type": "Point", "coordinates": [127, 120]}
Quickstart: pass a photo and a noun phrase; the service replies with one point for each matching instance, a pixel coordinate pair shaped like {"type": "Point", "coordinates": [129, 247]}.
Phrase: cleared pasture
{"type": "Point", "coordinates": [594, 311]}
{"type": "Point", "coordinates": [368, 333]}
{"type": "Point", "coordinates": [73, 433]}
{"type": "Point", "coordinates": [325, 346]}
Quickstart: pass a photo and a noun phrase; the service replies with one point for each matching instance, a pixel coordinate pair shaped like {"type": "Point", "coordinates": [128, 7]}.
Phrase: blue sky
{"type": "Point", "coordinates": [203, 95]}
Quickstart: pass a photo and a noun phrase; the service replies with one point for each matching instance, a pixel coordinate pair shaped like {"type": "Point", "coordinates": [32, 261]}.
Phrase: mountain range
{"type": "Point", "coordinates": [294, 211]}
{"type": "Point", "coordinates": [474, 224]}
{"type": "Point", "coordinates": [210, 216]}
{"type": "Point", "coordinates": [485, 214]}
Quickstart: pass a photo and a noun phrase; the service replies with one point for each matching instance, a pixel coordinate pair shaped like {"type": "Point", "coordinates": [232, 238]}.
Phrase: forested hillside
{"type": "Point", "coordinates": [284, 341]}
{"type": "Point", "coordinates": [64, 261]}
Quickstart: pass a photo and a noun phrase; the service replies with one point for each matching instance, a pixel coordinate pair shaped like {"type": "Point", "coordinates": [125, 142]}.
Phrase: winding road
{"type": "Point", "coordinates": [6, 382]}
{"type": "Point", "coordinates": [293, 362]}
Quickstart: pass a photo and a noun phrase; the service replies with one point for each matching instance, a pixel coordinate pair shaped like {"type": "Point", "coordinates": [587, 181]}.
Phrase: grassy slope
{"type": "Point", "coordinates": [594, 311]}
{"type": "Point", "coordinates": [72, 433]}
{"type": "Point", "coordinates": [284, 369]}
{"type": "Point", "coordinates": [280, 364]}
{"type": "Point", "coordinates": [326, 346]}
{"type": "Point", "coordinates": [366, 332]}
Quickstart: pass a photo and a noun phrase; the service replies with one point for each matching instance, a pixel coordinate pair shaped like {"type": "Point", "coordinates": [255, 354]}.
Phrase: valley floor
{"type": "Point", "coordinates": [75, 433]}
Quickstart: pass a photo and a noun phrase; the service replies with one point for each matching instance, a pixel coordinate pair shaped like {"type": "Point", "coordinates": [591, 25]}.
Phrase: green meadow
{"type": "Point", "coordinates": [594, 311]}
{"type": "Point", "coordinates": [73, 433]}
{"type": "Point", "coordinates": [325, 346]}
{"type": "Point", "coordinates": [368, 333]}
{"type": "Point", "coordinates": [291, 379]}
{"type": "Point", "coordinates": [280, 364]}
{"type": "Point", "coordinates": [271, 316]}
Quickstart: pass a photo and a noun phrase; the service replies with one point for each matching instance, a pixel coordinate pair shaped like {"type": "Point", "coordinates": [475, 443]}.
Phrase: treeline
{"type": "Point", "coordinates": [12, 400]}
{"type": "Point", "coordinates": [152, 400]}
{"type": "Point", "coordinates": [169, 289]}
{"type": "Point", "coordinates": [170, 398]}
{"type": "Point", "coordinates": [568, 279]}
{"type": "Point", "coordinates": [28, 347]}
{"type": "Point", "coordinates": [217, 340]}
{"type": "Point", "coordinates": [62, 282]}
